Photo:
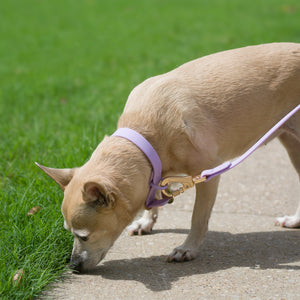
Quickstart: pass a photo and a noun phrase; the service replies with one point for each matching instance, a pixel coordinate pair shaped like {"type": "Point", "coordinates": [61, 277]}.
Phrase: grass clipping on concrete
{"type": "Point", "coordinates": [66, 69]}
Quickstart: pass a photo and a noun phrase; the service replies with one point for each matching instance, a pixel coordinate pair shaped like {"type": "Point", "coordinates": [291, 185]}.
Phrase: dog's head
{"type": "Point", "coordinates": [99, 202]}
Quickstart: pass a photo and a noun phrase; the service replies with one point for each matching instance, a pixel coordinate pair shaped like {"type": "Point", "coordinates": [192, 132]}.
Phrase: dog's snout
{"type": "Point", "coordinates": [76, 264]}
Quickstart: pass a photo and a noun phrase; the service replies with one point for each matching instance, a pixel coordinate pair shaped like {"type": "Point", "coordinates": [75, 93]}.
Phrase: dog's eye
{"type": "Point", "coordinates": [83, 238]}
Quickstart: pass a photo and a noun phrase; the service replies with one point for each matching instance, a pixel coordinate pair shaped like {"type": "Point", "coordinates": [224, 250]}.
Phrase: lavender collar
{"type": "Point", "coordinates": [154, 159]}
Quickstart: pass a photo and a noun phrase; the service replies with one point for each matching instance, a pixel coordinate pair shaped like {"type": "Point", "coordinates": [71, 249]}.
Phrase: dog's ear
{"type": "Point", "coordinates": [97, 195]}
{"type": "Point", "coordinates": [60, 176]}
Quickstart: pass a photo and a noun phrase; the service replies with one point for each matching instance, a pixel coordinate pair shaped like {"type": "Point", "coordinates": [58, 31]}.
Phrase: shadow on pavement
{"type": "Point", "coordinates": [220, 251]}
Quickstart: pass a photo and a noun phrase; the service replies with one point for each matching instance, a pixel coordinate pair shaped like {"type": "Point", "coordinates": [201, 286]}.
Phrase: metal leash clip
{"type": "Point", "coordinates": [185, 182]}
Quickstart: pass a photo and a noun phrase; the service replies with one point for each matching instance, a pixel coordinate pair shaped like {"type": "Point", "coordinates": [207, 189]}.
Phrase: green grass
{"type": "Point", "coordinates": [66, 69]}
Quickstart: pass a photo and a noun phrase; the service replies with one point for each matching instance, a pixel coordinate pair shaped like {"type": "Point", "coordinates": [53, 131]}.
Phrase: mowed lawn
{"type": "Point", "coordinates": [66, 69]}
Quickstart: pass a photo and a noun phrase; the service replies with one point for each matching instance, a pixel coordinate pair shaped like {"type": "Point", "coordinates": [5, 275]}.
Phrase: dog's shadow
{"type": "Point", "coordinates": [220, 251]}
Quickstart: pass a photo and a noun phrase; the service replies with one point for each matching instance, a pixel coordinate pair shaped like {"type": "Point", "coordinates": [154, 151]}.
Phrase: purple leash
{"type": "Point", "coordinates": [187, 181]}
{"type": "Point", "coordinates": [229, 165]}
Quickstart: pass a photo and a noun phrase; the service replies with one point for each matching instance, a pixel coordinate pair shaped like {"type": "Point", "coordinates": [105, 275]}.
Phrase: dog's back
{"type": "Point", "coordinates": [221, 92]}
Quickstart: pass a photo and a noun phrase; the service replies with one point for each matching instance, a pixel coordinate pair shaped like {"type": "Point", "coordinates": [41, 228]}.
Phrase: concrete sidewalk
{"type": "Point", "coordinates": [244, 256]}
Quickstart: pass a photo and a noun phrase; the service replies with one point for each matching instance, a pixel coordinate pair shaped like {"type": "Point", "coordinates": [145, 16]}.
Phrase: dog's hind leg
{"type": "Point", "coordinates": [145, 224]}
{"type": "Point", "coordinates": [205, 198]}
{"type": "Point", "coordinates": [291, 141]}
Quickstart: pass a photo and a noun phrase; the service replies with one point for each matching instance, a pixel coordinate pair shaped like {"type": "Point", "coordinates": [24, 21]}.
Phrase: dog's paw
{"type": "Point", "coordinates": [182, 254]}
{"type": "Point", "coordinates": [142, 226]}
{"type": "Point", "coordinates": [288, 221]}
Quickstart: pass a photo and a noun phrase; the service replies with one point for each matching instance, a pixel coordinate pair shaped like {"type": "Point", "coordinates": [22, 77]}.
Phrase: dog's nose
{"type": "Point", "coordinates": [76, 265]}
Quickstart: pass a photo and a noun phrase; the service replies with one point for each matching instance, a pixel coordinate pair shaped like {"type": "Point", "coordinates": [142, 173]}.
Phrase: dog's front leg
{"type": "Point", "coordinates": [145, 224]}
{"type": "Point", "coordinates": [205, 199]}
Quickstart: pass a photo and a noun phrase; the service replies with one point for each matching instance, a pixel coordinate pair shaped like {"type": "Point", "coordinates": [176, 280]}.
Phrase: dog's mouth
{"type": "Point", "coordinates": [102, 256]}
{"type": "Point", "coordinates": [78, 265]}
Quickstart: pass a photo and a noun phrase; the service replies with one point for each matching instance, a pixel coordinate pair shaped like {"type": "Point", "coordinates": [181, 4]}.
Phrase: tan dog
{"type": "Point", "coordinates": [197, 116]}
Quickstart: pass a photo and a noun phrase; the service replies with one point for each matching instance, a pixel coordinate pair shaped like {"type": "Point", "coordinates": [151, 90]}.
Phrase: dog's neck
{"type": "Point", "coordinates": [125, 168]}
